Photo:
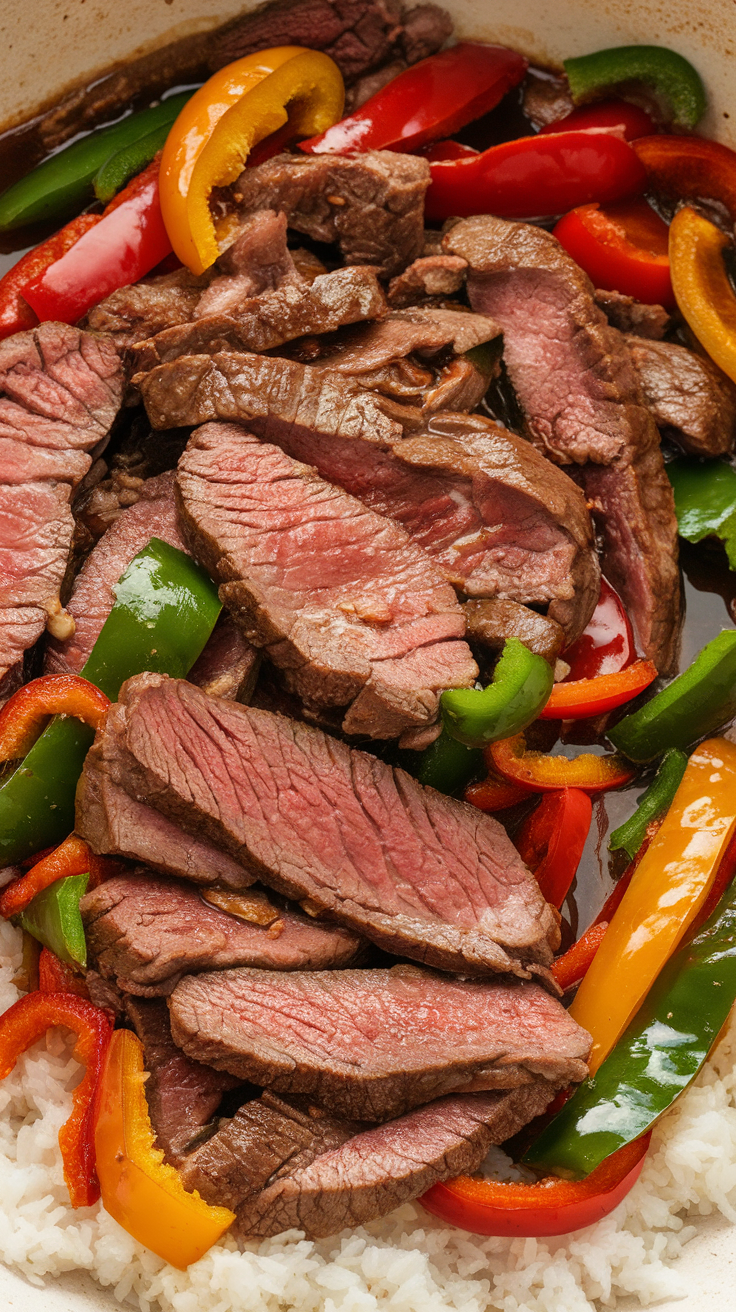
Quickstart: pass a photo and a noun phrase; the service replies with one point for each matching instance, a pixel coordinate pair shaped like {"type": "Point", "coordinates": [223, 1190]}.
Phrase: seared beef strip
{"type": "Point", "coordinates": [575, 380]}
{"type": "Point", "coordinates": [418, 873]}
{"type": "Point", "coordinates": [371, 204]}
{"type": "Point", "coordinates": [353, 613]}
{"type": "Point", "coordinates": [372, 1044]}
{"type": "Point", "coordinates": [687, 394]}
{"type": "Point", "coordinates": [357, 34]}
{"type": "Point", "coordinates": [489, 623]}
{"type": "Point", "coordinates": [147, 307]}
{"type": "Point", "coordinates": [430, 275]}
{"type": "Point", "coordinates": [182, 1095]}
{"type": "Point", "coordinates": [60, 390]}
{"type": "Point", "coordinates": [631, 316]}
{"type": "Point", "coordinates": [145, 932]}
{"type": "Point", "coordinates": [370, 346]}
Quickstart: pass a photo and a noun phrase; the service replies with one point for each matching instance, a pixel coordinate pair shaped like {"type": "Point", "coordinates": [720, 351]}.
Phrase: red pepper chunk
{"type": "Point", "coordinates": [623, 248]}
{"type": "Point", "coordinates": [610, 115]}
{"type": "Point", "coordinates": [541, 773]}
{"type": "Point", "coordinates": [72, 857]}
{"type": "Point", "coordinates": [550, 1207]}
{"type": "Point", "coordinates": [16, 314]}
{"type": "Point", "coordinates": [689, 168]}
{"type": "Point", "coordinates": [494, 793]}
{"type": "Point", "coordinates": [28, 1020]}
{"type": "Point", "coordinates": [585, 697]}
{"type": "Point", "coordinates": [536, 177]}
{"type": "Point", "coordinates": [24, 716]}
{"type": "Point", "coordinates": [607, 643]}
{"type": "Point", "coordinates": [432, 99]}
{"type": "Point", "coordinates": [551, 841]}
{"type": "Point", "coordinates": [54, 976]}
{"type": "Point", "coordinates": [570, 968]}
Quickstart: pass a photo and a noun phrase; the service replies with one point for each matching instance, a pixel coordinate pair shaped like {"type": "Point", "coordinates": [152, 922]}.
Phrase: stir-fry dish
{"type": "Point", "coordinates": [356, 389]}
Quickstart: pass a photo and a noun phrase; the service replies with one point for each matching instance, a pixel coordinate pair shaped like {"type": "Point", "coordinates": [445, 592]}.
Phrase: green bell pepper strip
{"type": "Point", "coordinates": [63, 183]}
{"type": "Point", "coordinates": [656, 1058]}
{"type": "Point", "coordinates": [694, 705]}
{"type": "Point", "coordinates": [705, 501]}
{"type": "Point", "coordinates": [447, 765]}
{"type": "Point", "coordinates": [164, 612]}
{"type": "Point", "coordinates": [670, 75]}
{"type": "Point", "coordinates": [125, 163]}
{"type": "Point", "coordinates": [521, 685]}
{"type": "Point", "coordinates": [54, 918]}
{"type": "Point", "coordinates": [657, 798]}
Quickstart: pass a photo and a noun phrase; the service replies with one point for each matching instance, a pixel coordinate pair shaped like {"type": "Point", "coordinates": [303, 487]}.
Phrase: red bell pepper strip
{"type": "Point", "coordinates": [536, 177]}
{"type": "Point", "coordinates": [72, 857]}
{"type": "Point", "coordinates": [126, 244]}
{"type": "Point", "coordinates": [607, 643]}
{"type": "Point", "coordinates": [622, 248]}
{"type": "Point", "coordinates": [26, 1021]}
{"type": "Point", "coordinates": [580, 699]}
{"type": "Point", "coordinates": [611, 114]}
{"type": "Point", "coordinates": [550, 1207]}
{"type": "Point", "coordinates": [54, 976]}
{"type": "Point", "coordinates": [689, 168]}
{"type": "Point", "coordinates": [494, 793]}
{"type": "Point", "coordinates": [570, 968]}
{"type": "Point", "coordinates": [16, 314]}
{"type": "Point", "coordinates": [25, 715]}
{"type": "Point", "coordinates": [447, 150]}
{"type": "Point", "coordinates": [432, 99]}
{"type": "Point", "coordinates": [551, 841]}
{"type": "Point", "coordinates": [543, 774]}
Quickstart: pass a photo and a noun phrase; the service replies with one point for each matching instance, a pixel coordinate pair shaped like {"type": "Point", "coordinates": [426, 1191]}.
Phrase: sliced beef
{"type": "Point", "coordinates": [371, 204]}
{"type": "Point", "coordinates": [631, 316]}
{"type": "Point", "coordinates": [357, 34]}
{"type": "Point", "coordinates": [426, 28]}
{"type": "Point", "coordinates": [182, 1095]}
{"type": "Point", "coordinates": [574, 377]}
{"type": "Point", "coordinates": [387, 1165]}
{"type": "Point", "coordinates": [336, 829]}
{"type": "Point", "coordinates": [147, 307]}
{"type": "Point", "coordinates": [489, 623]}
{"type": "Point", "coordinates": [353, 613]}
{"type": "Point", "coordinates": [430, 275]}
{"type": "Point", "coordinates": [145, 932]}
{"type": "Point", "coordinates": [257, 261]}
{"type": "Point", "coordinates": [373, 1043]}
{"type": "Point", "coordinates": [688, 395]}
{"type": "Point", "coordinates": [229, 665]}
{"type": "Point", "coordinates": [60, 390]}
{"type": "Point", "coordinates": [545, 97]}
{"type": "Point", "coordinates": [493, 514]}
{"type": "Point", "coordinates": [425, 330]}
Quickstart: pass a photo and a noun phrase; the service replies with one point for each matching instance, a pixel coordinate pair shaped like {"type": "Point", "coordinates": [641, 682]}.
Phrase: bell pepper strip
{"type": "Point", "coordinates": [536, 177]}
{"type": "Point", "coordinates": [657, 798]}
{"type": "Point", "coordinates": [495, 793]}
{"type": "Point", "coordinates": [666, 893]}
{"type": "Point", "coordinates": [552, 839]}
{"type": "Point", "coordinates": [622, 248]}
{"type": "Point", "coordinates": [72, 857]}
{"type": "Point", "coordinates": [165, 609]}
{"type": "Point", "coordinates": [571, 967]}
{"type": "Point", "coordinates": [580, 699]}
{"type": "Point", "coordinates": [521, 684]}
{"type": "Point", "coordinates": [16, 314]}
{"type": "Point", "coordinates": [54, 976]}
{"type": "Point", "coordinates": [550, 1207]}
{"type": "Point", "coordinates": [614, 115]}
{"type": "Point", "coordinates": [27, 712]}
{"type": "Point", "coordinates": [128, 163]}
{"type": "Point", "coordinates": [657, 1057]}
{"type": "Point", "coordinates": [432, 99]}
{"type": "Point", "coordinates": [616, 897]}
{"type": "Point", "coordinates": [64, 182]}
{"type": "Point", "coordinates": [542, 773]}
{"type": "Point", "coordinates": [721, 883]}
{"type": "Point", "coordinates": [697, 702]}
{"type": "Point", "coordinates": [446, 764]}
{"type": "Point", "coordinates": [689, 168]}
{"type": "Point", "coordinates": [54, 918]}
{"type": "Point", "coordinates": [672, 78]}
{"type": "Point", "coordinates": [607, 643]}
{"type": "Point", "coordinates": [28, 1020]}
{"type": "Point", "coordinates": [705, 501]}
{"type": "Point", "coordinates": [447, 150]}
{"type": "Point", "coordinates": [144, 1195]}
{"type": "Point", "coordinates": [702, 287]}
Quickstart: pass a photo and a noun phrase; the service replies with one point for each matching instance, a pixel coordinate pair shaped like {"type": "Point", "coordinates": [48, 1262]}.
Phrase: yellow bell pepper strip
{"type": "Point", "coordinates": [541, 773]}
{"type": "Point", "coordinates": [702, 287]}
{"type": "Point", "coordinates": [237, 108]}
{"type": "Point", "coordinates": [668, 889]}
{"type": "Point", "coordinates": [144, 1195]}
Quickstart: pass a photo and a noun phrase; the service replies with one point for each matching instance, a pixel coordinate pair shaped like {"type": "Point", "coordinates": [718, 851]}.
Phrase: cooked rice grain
{"type": "Point", "coordinates": [406, 1262]}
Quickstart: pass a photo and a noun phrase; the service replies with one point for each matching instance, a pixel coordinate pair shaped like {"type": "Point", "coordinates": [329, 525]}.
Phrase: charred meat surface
{"type": "Point", "coordinates": [688, 396]}
{"type": "Point", "coordinates": [489, 623]}
{"type": "Point", "coordinates": [632, 316]}
{"type": "Point", "coordinates": [418, 873]}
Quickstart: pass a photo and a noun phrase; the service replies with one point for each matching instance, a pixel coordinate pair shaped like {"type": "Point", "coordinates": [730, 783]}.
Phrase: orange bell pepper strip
{"type": "Point", "coordinates": [702, 287]}
{"type": "Point", "coordinates": [25, 715]}
{"type": "Point", "coordinates": [582, 698]}
{"type": "Point", "coordinates": [237, 108]}
{"type": "Point", "coordinates": [72, 857]}
{"type": "Point", "coordinates": [16, 314]}
{"type": "Point", "coordinates": [666, 893]}
{"type": "Point", "coordinates": [551, 841]}
{"type": "Point", "coordinates": [25, 1022]}
{"type": "Point", "coordinates": [550, 1207]}
{"type": "Point", "coordinates": [689, 168]}
{"type": "Point", "coordinates": [542, 773]}
{"type": "Point", "coordinates": [144, 1195]}
{"type": "Point", "coordinates": [54, 976]}
{"type": "Point", "coordinates": [574, 964]}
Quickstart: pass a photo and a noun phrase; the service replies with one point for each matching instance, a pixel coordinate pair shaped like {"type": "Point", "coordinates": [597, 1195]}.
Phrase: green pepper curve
{"type": "Point", "coordinates": [125, 163]}
{"type": "Point", "coordinates": [53, 917]}
{"type": "Point", "coordinates": [657, 798]}
{"type": "Point", "coordinates": [670, 75]}
{"type": "Point", "coordinates": [63, 183]}
{"type": "Point", "coordinates": [165, 609]}
{"type": "Point", "coordinates": [660, 1053]}
{"type": "Point", "coordinates": [521, 685]}
{"type": "Point", "coordinates": [695, 704]}
{"type": "Point", "coordinates": [705, 501]}
{"type": "Point", "coordinates": [447, 765]}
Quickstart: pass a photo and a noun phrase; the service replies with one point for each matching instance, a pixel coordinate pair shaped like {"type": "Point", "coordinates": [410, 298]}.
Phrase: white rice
{"type": "Point", "coordinates": [406, 1262]}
